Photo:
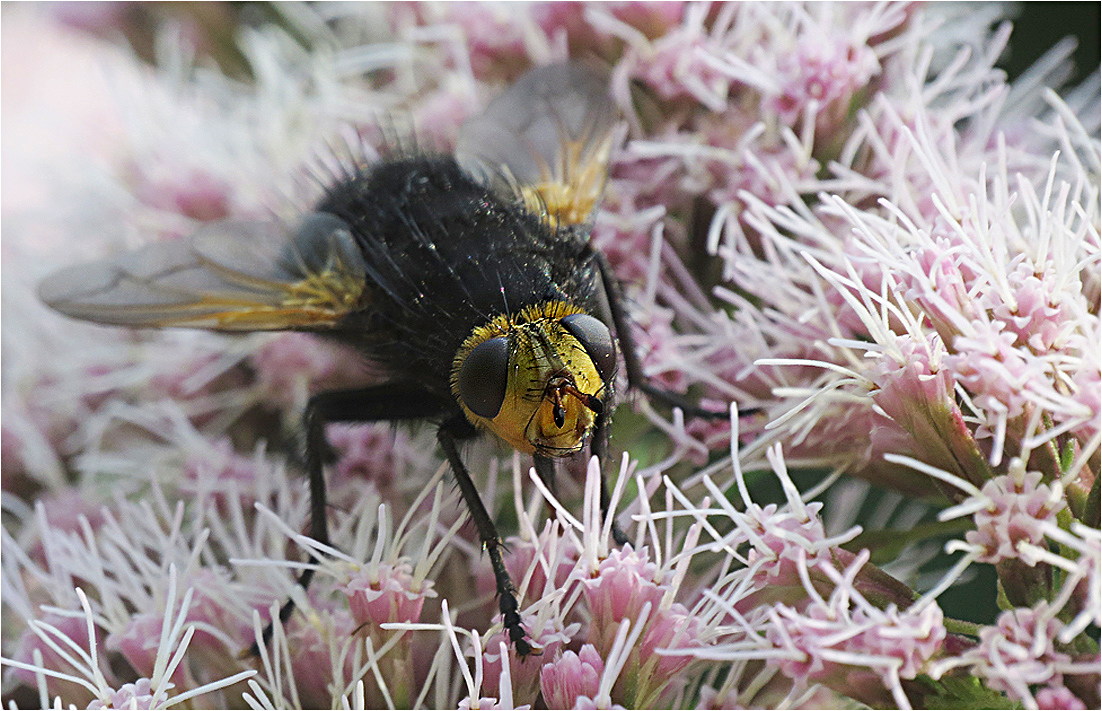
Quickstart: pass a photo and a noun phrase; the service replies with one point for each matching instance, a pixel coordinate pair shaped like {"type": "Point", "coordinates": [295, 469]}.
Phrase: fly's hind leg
{"type": "Point", "coordinates": [391, 402]}
{"type": "Point", "coordinates": [456, 429]}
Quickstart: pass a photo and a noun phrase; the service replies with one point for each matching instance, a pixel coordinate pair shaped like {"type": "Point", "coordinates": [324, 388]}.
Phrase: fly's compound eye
{"type": "Point", "coordinates": [483, 377]}
{"type": "Point", "coordinates": [596, 340]}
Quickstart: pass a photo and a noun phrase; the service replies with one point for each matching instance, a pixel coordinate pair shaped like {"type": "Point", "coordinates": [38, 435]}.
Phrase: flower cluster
{"type": "Point", "coordinates": [1019, 653]}
{"type": "Point", "coordinates": [839, 218]}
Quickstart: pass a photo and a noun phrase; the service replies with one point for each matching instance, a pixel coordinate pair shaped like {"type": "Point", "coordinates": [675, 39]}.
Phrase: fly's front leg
{"type": "Point", "coordinates": [598, 447]}
{"type": "Point", "coordinates": [545, 470]}
{"type": "Point", "coordinates": [390, 402]}
{"type": "Point", "coordinates": [634, 367]}
{"type": "Point", "coordinates": [449, 432]}
{"type": "Point", "coordinates": [636, 380]}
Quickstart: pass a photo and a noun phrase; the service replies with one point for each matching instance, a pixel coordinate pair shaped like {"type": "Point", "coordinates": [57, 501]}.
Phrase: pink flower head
{"type": "Point", "coordinates": [1032, 310]}
{"type": "Point", "coordinates": [624, 590]}
{"type": "Point", "coordinates": [852, 646]}
{"type": "Point", "coordinates": [657, 344]}
{"type": "Point", "coordinates": [439, 117]}
{"type": "Point", "coordinates": [669, 628]}
{"type": "Point", "coordinates": [913, 379]}
{"type": "Point", "coordinates": [941, 281]}
{"type": "Point", "coordinates": [190, 192]}
{"type": "Point", "coordinates": [1058, 697]}
{"type": "Point", "coordinates": [764, 170]}
{"type": "Point", "coordinates": [1018, 651]}
{"type": "Point", "coordinates": [913, 636]}
{"type": "Point", "coordinates": [828, 71]}
{"type": "Point", "coordinates": [785, 542]}
{"type": "Point", "coordinates": [32, 642]}
{"type": "Point", "coordinates": [998, 375]}
{"type": "Point", "coordinates": [524, 555]}
{"type": "Point", "coordinates": [139, 642]}
{"type": "Point", "coordinates": [652, 176]}
{"type": "Point", "coordinates": [808, 638]}
{"type": "Point", "coordinates": [213, 612]}
{"type": "Point", "coordinates": [291, 365]}
{"type": "Point", "coordinates": [676, 68]}
{"type": "Point", "coordinates": [624, 234]}
{"type": "Point", "coordinates": [363, 451]}
{"type": "Point", "coordinates": [546, 634]}
{"type": "Point", "coordinates": [618, 590]}
{"type": "Point", "coordinates": [492, 35]}
{"type": "Point", "coordinates": [138, 695]}
{"type": "Point", "coordinates": [288, 363]}
{"type": "Point", "coordinates": [652, 19]}
{"type": "Point", "coordinates": [317, 643]}
{"type": "Point", "coordinates": [67, 510]}
{"type": "Point", "coordinates": [1018, 509]}
{"type": "Point", "coordinates": [193, 373]}
{"type": "Point", "coordinates": [215, 469]}
{"type": "Point", "coordinates": [221, 630]}
{"type": "Point", "coordinates": [915, 389]}
{"type": "Point", "coordinates": [572, 676]}
{"type": "Point", "coordinates": [383, 593]}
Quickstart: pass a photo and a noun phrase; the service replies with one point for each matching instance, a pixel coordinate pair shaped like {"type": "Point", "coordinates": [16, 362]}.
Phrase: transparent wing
{"type": "Point", "coordinates": [547, 140]}
{"type": "Point", "coordinates": [228, 276]}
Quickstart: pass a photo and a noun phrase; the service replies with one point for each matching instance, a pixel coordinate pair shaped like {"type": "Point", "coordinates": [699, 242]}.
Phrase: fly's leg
{"type": "Point", "coordinates": [449, 433]}
{"type": "Point", "coordinates": [545, 470]}
{"type": "Point", "coordinates": [634, 367]}
{"type": "Point", "coordinates": [636, 380]}
{"type": "Point", "coordinates": [389, 402]}
{"type": "Point", "coordinates": [598, 447]}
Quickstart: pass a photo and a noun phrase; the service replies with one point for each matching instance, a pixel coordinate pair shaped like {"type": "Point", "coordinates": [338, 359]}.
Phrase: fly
{"type": "Point", "coordinates": [469, 280]}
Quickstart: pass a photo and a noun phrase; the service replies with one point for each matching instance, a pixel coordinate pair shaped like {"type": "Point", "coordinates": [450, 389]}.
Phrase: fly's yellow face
{"type": "Point", "coordinates": [538, 379]}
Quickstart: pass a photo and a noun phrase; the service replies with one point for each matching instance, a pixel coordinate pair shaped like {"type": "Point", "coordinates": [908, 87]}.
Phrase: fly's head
{"type": "Point", "coordinates": [538, 379]}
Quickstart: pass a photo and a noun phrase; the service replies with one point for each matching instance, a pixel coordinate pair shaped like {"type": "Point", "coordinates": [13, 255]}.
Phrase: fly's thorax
{"type": "Point", "coordinates": [538, 379]}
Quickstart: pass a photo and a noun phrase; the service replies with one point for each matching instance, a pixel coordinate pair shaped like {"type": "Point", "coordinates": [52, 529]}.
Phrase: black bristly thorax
{"type": "Point", "coordinates": [445, 254]}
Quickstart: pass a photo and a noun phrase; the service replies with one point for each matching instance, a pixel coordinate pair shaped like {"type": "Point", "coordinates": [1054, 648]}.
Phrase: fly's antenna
{"type": "Point", "coordinates": [591, 401]}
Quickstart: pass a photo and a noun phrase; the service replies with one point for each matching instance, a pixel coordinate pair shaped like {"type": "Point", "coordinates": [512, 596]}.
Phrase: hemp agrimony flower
{"type": "Point", "coordinates": [841, 219]}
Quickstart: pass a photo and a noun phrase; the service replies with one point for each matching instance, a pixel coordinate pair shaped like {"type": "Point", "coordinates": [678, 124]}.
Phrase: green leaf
{"type": "Point", "coordinates": [966, 692]}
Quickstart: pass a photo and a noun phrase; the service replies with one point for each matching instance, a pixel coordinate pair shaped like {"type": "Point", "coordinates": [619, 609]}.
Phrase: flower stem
{"type": "Point", "coordinates": [970, 629]}
{"type": "Point", "coordinates": [1094, 502]}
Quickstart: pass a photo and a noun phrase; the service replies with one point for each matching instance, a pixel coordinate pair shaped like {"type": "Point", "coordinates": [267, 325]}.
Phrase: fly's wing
{"type": "Point", "coordinates": [228, 276]}
{"type": "Point", "coordinates": [546, 140]}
